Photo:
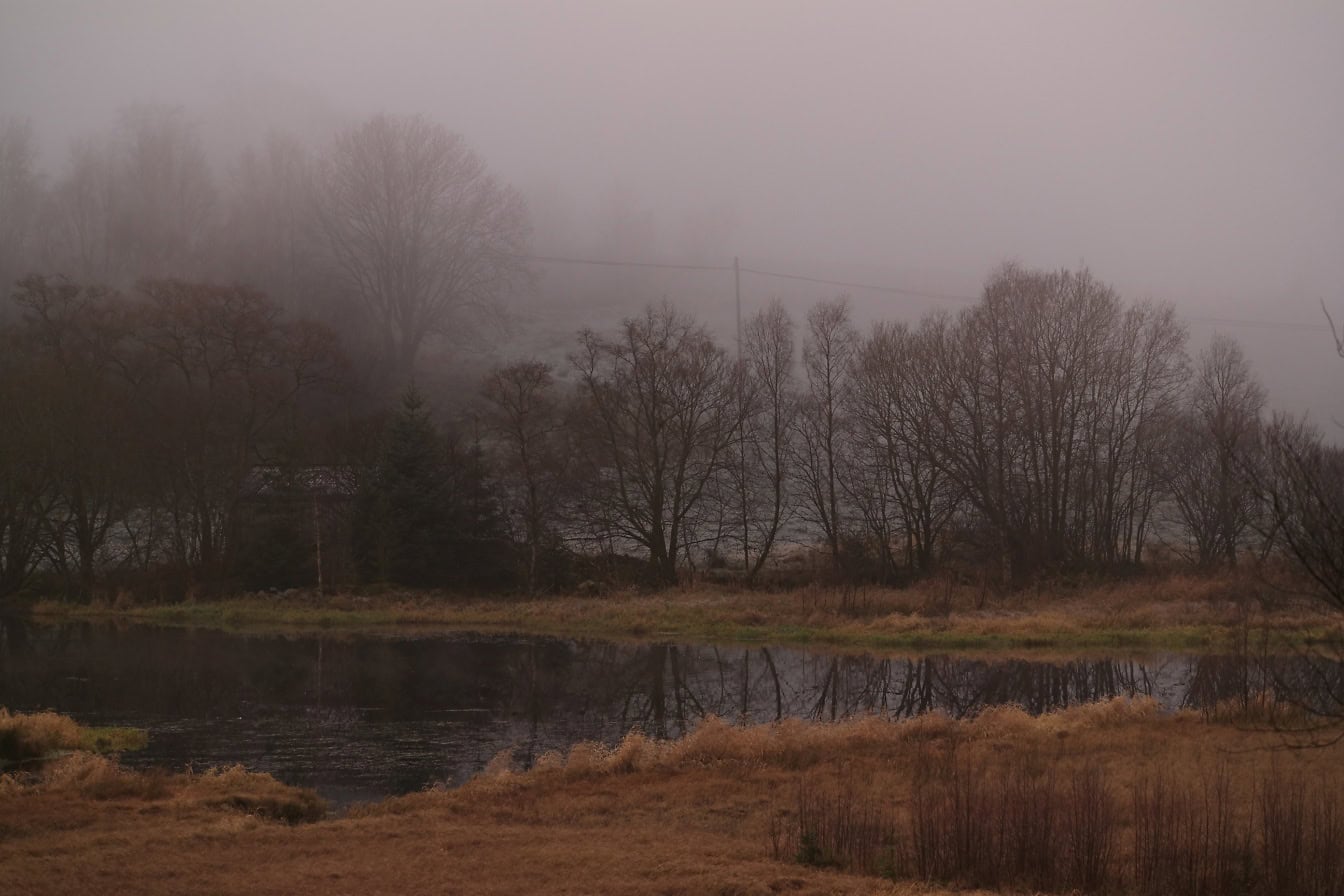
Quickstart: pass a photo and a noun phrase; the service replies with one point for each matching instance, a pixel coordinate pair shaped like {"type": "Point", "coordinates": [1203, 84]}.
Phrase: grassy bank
{"type": "Point", "coordinates": [1169, 613]}
{"type": "Point", "coordinates": [724, 810]}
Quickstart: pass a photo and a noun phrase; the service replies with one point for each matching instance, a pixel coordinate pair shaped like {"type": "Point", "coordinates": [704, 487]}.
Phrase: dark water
{"type": "Point", "coordinates": [361, 717]}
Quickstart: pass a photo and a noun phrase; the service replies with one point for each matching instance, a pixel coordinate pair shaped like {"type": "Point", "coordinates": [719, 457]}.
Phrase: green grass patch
{"type": "Point", "coordinates": [113, 739]}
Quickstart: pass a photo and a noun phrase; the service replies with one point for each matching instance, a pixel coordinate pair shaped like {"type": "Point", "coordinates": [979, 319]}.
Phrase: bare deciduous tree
{"type": "Point", "coordinates": [25, 493]}
{"type": "Point", "coordinates": [169, 195]}
{"type": "Point", "coordinates": [1301, 482]}
{"type": "Point", "coordinates": [764, 472]}
{"type": "Point", "coordinates": [661, 417]}
{"type": "Point", "coordinates": [220, 371]}
{"type": "Point", "coordinates": [1215, 442]}
{"type": "Point", "coordinates": [525, 416]}
{"type": "Point", "coordinates": [1052, 395]}
{"type": "Point", "coordinates": [75, 338]}
{"type": "Point", "coordinates": [821, 423]}
{"type": "Point", "coordinates": [138, 202]}
{"type": "Point", "coordinates": [21, 198]}
{"type": "Point", "coordinates": [423, 235]}
{"type": "Point", "coordinates": [894, 407]}
{"type": "Point", "coordinates": [1136, 392]}
{"type": "Point", "coordinates": [270, 228]}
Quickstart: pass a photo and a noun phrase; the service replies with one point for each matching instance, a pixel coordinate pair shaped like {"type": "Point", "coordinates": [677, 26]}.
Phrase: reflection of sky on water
{"type": "Point", "coordinates": [361, 717]}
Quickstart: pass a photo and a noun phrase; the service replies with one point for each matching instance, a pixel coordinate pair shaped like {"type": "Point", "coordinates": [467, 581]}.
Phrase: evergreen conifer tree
{"type": "Point", "coordinates": [429, 516]}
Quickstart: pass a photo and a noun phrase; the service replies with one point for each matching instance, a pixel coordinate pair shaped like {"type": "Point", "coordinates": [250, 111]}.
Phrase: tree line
{"type": "Point", "coordinates": [185, 435]}
{"type": "Point", "coordinates": [1051, 428]}
{"type": "Point", "coordinates": [164, 423]}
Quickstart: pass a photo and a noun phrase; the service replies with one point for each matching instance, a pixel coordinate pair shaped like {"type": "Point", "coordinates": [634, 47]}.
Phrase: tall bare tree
{"type": "Point", "coordinates": [1052, 393]}
{"type": "Point", "coordinates": [1301, 483]}
{"type": "Point", "coordinates": [139, 201]}
{"type": "Point", "coordinates": [764, 472]}
{"type": "Point", "coordinates": [525, 416]}
{"type": "Point", "coordinates": [821, 424]}
{"type": "Point", "coordinates": [423, 235]}
{"type": "Point", "coordinates": [220, 371]}
{"type": "Point", "coordinates": [270, 229]}
{"type": "Point", "coordinates": [1136, 390]}
{"type": "Point", "coordinates": [84, 238]}
{"type": "Point", "coordinates": [75, 338]}
{"type": "Point", "coordinates": [21, 198]}
{"type": "Point", "coordinates": [660, 419]}
{"type": "Point", "coordinates": [25, 481]}
{"type": "Point", "coordinates": [169, 194]}
{"type": "Point", "coordinates": [1217, 438]}
{"type": "Point", "coordinates": [893, 404]}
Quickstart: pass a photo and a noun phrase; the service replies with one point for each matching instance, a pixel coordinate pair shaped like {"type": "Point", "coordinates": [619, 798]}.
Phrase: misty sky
{"type": "Point", "coordinates": [1191, 152]}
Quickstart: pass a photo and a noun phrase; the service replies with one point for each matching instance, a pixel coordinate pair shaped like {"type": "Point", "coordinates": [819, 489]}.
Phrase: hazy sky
{"type": "Point", "coordinates": [1187, 152]}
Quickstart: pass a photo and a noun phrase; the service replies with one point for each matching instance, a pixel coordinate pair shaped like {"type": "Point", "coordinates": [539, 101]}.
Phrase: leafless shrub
{"type": "Point", "coordinates": [837, 826]}
{"type": "Point", "coordinates": [1022, 826]}
{"type": "Point", "coordinates": [1301, 843]}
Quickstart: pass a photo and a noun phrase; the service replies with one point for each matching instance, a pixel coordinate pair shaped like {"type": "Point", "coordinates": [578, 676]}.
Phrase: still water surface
{"type": "Point", "coordinates": [360, 717]}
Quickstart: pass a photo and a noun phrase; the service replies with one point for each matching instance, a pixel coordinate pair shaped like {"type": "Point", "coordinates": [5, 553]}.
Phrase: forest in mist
{"type": "Point", "coordinates": [562, 306]}
{"type": "Point", "coordinates": [257, 387]}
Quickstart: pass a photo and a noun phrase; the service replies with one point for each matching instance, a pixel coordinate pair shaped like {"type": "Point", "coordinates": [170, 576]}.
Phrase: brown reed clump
{"type": "Point", "coordinates": [34, 735]}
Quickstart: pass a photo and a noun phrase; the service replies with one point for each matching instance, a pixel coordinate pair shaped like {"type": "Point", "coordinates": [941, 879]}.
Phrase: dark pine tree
{"type": "Point", "coordinates": [428, 516]}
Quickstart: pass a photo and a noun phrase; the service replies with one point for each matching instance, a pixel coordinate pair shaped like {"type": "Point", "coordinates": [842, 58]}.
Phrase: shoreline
{"type": "Point", "coordinates": [1185, 614]}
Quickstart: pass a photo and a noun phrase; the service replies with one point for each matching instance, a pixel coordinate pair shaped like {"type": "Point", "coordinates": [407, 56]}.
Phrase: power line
{"type": "Point", "coordinates": [845, 284]}
{"type": "Point", "coordinates": [874, 287]}
{"type": "Point", "coordinates": [947, 297]}
{"type": "Point", "coordinates": [1260, 324]}
{"type": "Point", "coordinates": [602, 262]}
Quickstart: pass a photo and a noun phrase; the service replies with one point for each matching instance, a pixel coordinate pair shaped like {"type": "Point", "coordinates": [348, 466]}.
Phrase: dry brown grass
{"type": "Point", "coordinates": [690, 816]}
{"type": "Point", "coordinates": [31, 735]}
{"type": "Point", "coordinates": [84, 777]}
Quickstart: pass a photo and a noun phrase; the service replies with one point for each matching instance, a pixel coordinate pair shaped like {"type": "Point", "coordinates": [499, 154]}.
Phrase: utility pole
{"type": "Point", "coordinates": [737, 294]}
{"type": "Point", "coordinates": [317, 538]}
{"type": "Point", "coordinates": [741, 422]}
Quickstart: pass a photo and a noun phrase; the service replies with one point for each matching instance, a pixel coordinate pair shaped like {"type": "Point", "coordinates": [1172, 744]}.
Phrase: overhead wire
{"type": "Point", "coordinates": [946, 297]}
{"type": "Point", "coordinates": [874, 287]}
{"type": "Point", "coordinates": [601, 262]}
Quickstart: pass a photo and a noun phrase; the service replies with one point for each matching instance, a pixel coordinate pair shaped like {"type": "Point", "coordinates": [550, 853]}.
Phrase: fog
{"type": "Point", "coordinates": [1186, 153]}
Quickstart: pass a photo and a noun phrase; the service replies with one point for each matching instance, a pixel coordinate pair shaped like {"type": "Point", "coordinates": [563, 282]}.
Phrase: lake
{"type": "Point", "coordinates": [361, 717]}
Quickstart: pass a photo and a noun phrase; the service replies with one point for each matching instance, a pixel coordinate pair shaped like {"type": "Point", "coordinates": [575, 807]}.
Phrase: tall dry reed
{"type": "Point", "coordinates": [1013, 825]}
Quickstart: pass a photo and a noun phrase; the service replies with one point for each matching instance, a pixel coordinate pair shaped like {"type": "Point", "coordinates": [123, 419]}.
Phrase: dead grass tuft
{"type": "Point", "coordinates": [254, 793]}
{"type": "Point", "coordinates": [34, 735]}
{"type": "Point", "coordinates": [89, 776]}
{"type": "Point", "coordinates": [86, 776]}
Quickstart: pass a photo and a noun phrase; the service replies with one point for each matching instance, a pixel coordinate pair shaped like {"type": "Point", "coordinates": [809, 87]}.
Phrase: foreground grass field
{"type": "Point", "coordinates": [784, 808]}
{"type": "Point", "coordinates": [1178, 612]}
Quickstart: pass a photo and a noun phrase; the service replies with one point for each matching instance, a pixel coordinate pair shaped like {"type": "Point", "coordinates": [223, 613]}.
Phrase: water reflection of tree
{"type": "Point", "coordinates": [435, 696]}
{"type": "Point", "coordinates": [663, 689]}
